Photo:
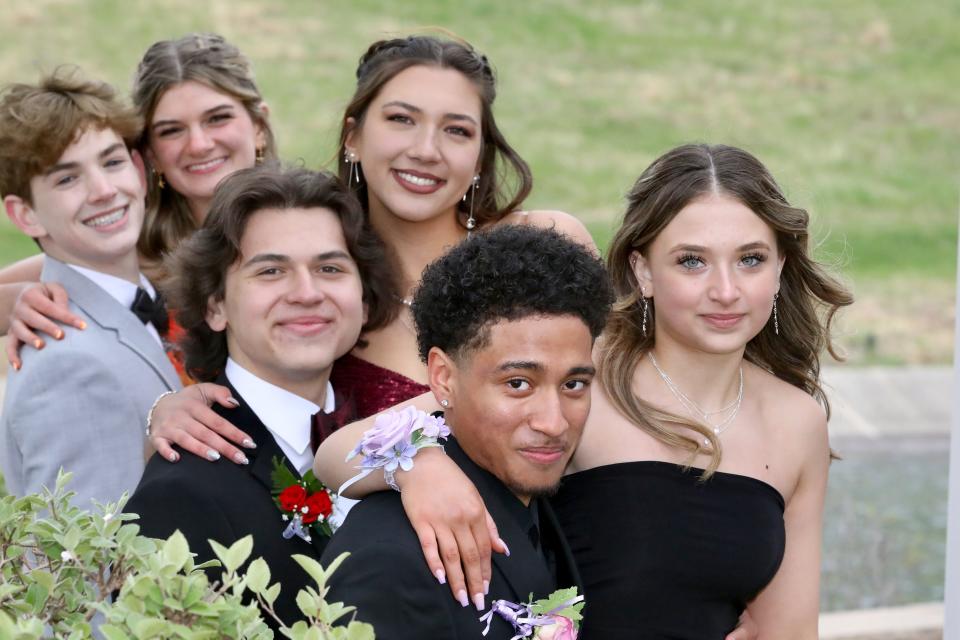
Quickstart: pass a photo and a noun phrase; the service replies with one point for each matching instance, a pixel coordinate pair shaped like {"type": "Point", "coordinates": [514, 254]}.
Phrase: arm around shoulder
{"type": "Point", "coordinates": [789, 606]}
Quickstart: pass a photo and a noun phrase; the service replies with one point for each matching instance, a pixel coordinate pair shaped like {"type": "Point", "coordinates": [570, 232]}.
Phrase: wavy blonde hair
{"type": "Point", "coordinates": [809, 296]}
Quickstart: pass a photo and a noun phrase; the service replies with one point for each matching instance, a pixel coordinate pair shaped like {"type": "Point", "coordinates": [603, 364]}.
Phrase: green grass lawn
{"type": "Point", "coordinates": [852, 105]}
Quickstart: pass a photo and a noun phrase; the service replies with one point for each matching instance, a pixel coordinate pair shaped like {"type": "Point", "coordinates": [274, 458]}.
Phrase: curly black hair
{"type": "Point", "coordinates": [507, 273]}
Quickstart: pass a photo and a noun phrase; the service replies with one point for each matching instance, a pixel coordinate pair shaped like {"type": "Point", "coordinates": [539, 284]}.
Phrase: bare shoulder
{"type": "Point", "coordinates": [552, 219]}
{"type": "Point", "coordinates": [802, 419]}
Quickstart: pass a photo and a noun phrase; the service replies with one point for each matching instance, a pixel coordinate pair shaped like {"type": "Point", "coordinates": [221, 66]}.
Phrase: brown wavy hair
{"type": "Point", "coordinates": [809, 296]}
{"type": "Point", "coordinates": [198, 267]}
{"type": "Point", "coordinates": [209, 59]}
{"type": "Point", "coordinates": [38, 122]}
{"type": "Point", "coordinates": [505, 178]}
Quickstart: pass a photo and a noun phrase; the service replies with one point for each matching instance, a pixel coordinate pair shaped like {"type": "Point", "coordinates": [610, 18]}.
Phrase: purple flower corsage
{"type": "Point", "coordinates": [556, 617]}
{"type": "Point", "coordinates": [394, 439]}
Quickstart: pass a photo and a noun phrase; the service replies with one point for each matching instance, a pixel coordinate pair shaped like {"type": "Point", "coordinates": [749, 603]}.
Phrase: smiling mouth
{"type": "Point", "coordinates": [723, 320]}
{"type": "Point", "coordinates": [543, 455]}
{"type": "Point", "coordinates": [204, 167]}
{"type": "Point", "coordinates": [417, 183]}
{"type": "Point", "coordinates": [106, 219]}
{"type": "Point", "coordinates": [306, 326]}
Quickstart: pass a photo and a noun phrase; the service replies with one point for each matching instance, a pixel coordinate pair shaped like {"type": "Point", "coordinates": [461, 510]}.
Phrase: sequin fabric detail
{"type": "Point", "coordinates": [372, 387]}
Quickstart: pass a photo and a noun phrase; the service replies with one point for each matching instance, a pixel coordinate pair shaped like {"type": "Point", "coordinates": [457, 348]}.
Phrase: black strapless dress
{"type": "Point", "coordinates": [665, 556]}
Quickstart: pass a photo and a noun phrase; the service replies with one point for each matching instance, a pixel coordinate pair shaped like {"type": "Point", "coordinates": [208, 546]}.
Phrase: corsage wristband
{"type": "Point", "coordinates": [556, 616]}
{"type": "Point", "coordinates": [394, 439]}
{"type": "Point", "coordinates": [153, 407]}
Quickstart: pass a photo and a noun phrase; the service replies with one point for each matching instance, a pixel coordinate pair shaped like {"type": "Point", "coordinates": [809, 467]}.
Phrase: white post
{"type": "Point", "coordinates": [951, 595]}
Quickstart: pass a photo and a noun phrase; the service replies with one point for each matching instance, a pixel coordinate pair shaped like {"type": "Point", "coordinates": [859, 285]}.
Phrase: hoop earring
{"type": "Point", "coordinates": [351, 158]}
{"type": "Point", "coordinates": [471, 221]}
{"type": "Point", "coordinates": [776, 320]}
{"type": "Point", "coordinates": [646, 308]}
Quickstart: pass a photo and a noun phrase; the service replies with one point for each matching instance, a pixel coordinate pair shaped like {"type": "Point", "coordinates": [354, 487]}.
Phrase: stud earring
{"type": "Point", "coordinates": [646, 306]}
{"type": "Point", "coordinates": [351, 157]}
{"type": "Point", "coordinates": [776, 320]}
{"type": "Point", "coordinates": [444, 403]}
{"type": "Point", "coordinates": [471, 221]}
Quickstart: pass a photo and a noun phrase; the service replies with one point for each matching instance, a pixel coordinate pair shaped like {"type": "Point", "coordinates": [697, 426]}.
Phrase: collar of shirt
{"type": "Point", "coordinates": [286, 415]}
{"type": "Point", "coordinates": [123, 291]}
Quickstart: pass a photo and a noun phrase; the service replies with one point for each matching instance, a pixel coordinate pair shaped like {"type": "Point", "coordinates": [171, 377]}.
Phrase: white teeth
{"type": "Point", "coordinates": [417, 180]}
{"type": "Point", "coordinates": [102, 221]}
{"type": "Point", "coordinates": [203, 166]}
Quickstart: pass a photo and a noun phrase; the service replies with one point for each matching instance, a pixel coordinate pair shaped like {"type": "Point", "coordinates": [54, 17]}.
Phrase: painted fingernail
{"type": "Point", "coordinates": [38, 344]}
{"type": "Point", "coordinates": [212, 455]}
{"type": "Point", "coordinates": [81, 325]}
{"type": "Point", "coordinates": [486, 587]}
{"type": "Point", "coordinates": [506, 549]}
{"type": "Point", "coordinates": [240, 458]}
{"type": "Point", "coordinates": [478, 602]}
{"type": "Point", "coordinates": [59, 334]}
{"type": "Point", "coordinates": [441, 576]}
{"type": "Point", "coordinates": [233, 401]}
{"type": "Point", "coordinates": [249, 444]}
{"type": "Point", "coordinates": [462, 598]}
{"type": "Point", "coordinates": [174, 457]}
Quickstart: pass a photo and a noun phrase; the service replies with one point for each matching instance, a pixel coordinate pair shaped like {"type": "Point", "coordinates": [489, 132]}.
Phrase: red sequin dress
{"type": "Point", "coordinates": [372, 387]}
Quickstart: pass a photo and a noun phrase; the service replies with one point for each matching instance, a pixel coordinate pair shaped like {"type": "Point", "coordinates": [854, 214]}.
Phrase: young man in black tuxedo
{"type": "Point", "coordinates": [270, 291]}
{"type": "Point", "coordinates": [506, 324]}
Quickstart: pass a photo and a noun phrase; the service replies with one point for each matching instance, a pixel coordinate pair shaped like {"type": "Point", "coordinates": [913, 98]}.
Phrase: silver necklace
{"type": "Point", "coordinates": [733, 408]}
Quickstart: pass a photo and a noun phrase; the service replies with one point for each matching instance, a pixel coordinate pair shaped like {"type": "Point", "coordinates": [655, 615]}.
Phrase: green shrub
{"type": "Point", "coordinates": [59, 565]}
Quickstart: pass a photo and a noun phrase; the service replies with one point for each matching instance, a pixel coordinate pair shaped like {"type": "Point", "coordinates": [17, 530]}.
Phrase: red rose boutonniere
{"type": "Point", "coordinates": [304, 502]}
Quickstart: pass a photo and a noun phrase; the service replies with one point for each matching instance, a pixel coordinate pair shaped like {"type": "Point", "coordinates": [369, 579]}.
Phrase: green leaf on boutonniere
{"type": "Point", "coordinates": [557, 599]}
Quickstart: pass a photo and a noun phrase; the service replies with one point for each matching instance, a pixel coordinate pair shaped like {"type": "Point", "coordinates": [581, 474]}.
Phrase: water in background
{"type": "Point", "coordinates": [885, 522]}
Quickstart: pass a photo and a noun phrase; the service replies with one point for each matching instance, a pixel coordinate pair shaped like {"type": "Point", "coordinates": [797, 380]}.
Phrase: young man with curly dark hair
{"type": "Point", "coordinates": [506, 324]}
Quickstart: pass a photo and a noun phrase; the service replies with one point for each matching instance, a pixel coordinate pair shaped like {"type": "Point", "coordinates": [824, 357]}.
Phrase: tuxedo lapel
{"type": "Point", "coordinates": [525, 570]}
{"type": "Point", "coordinates": [261, 459]}
{"type": "Point", "coordinates": [109, 314]}
{"type": "Point", "coordinates": [552, 535]}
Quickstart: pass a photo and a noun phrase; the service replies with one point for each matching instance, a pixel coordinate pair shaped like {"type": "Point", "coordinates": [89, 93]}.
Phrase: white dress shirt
{"type": "Point", "coordinates": [123, 291]}
{"type": "Point", "coordinates": [286, 415]}
{"type": "Point", "coordinates": [289, 419]}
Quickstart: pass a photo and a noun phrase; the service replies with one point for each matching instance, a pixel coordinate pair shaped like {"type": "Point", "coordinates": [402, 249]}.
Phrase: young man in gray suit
{"type": "Point", "coordinates": [70, 181]}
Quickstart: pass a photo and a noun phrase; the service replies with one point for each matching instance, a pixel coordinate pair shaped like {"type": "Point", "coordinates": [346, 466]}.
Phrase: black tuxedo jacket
{"type": "Point", "coordinates": [225, 501]}
{"type": "Point", "coordinates": [387, 578]}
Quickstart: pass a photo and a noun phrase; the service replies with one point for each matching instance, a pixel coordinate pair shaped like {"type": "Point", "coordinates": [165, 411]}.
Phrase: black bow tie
{"type": "Point", "coordinates": [149, 310]}
{"type": "Point", "coordinates": [323, 424]}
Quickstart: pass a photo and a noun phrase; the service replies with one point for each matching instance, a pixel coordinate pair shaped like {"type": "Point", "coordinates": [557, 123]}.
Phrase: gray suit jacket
{"type": "Point", "coordinates": [81, 403]}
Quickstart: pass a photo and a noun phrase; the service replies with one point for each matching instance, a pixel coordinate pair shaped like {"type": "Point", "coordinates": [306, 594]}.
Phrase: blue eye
{"type": "Point", "coordinates": [753, 259]}
{"type": "Point", "coordinates": [690, 261]}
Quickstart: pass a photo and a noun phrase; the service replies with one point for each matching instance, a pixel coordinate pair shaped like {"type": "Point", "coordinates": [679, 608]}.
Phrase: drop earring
{"type": "Point", "coordinates": [471, 221]}
{"type": "Point", "coordinates": [160, 183]}
{"type": "Point", "coordinates": [259, 157]}
{"type": "Point", "coordinates": [776, 320]}
{"type": "Point", "coordinates": [351, 157]}
{"type": "Point", "coordinates": [646, 305]}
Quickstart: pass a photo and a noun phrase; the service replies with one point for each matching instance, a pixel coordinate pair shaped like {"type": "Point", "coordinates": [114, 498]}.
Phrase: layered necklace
{"type": "Point", "coordinates": [726, 414]}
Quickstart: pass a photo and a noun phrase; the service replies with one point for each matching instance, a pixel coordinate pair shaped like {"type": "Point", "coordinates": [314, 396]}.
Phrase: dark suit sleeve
{"type": "Point", "coordinates": [166, 505]}
{"type": "Point", "coordinates": [392, 589]}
